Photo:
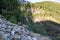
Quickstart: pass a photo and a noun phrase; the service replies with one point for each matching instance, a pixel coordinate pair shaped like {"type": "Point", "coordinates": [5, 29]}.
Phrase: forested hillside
{"type": "Point", "coordinates": [47, 15]}
{"type": "Point", "coordinates": [47, 10]}
{"type": "Point", "coordinates": [41, 17]}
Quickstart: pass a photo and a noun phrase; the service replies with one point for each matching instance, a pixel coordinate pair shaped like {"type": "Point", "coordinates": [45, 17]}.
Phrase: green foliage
{"type": "Point", "coordinates": [37, 28]}
{"type": "Point", "coordinates": [13, 19]}
{"type": "Point", "coordinates": [11, 10]}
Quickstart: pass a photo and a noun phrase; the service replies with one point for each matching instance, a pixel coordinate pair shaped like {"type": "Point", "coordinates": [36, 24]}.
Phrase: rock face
{"type": "Point", "coordinates": [10, 31]}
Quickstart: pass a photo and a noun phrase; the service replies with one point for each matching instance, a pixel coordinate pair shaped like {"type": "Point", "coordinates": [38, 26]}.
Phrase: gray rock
{"type": "Point", "coordinates": [3, 25]}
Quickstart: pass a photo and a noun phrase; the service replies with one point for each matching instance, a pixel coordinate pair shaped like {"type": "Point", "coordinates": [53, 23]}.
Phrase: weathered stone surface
{"type": "Point", "coordinates": [10, 31]}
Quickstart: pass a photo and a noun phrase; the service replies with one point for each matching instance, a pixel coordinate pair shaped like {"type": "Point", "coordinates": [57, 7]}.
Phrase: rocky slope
{"type": "Point", "coordinates": [10, 31]}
